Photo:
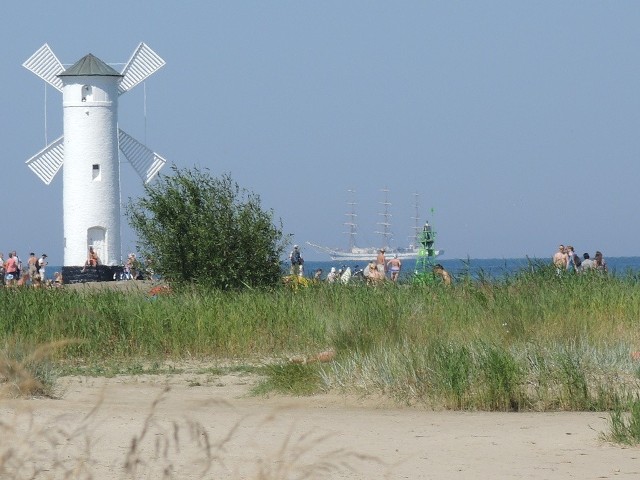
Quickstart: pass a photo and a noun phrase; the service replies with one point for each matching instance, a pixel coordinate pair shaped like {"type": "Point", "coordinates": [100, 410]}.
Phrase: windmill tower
{"type": "Point", "coordinates": [88, 148]}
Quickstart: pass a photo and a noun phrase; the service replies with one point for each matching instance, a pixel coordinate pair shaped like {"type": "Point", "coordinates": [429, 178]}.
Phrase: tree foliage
{"type": "Point", "coordinates": [196, 228]}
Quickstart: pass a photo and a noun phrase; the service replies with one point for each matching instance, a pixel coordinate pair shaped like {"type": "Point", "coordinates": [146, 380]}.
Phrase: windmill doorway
{"type": "Point", "coordinates": [97, 238]}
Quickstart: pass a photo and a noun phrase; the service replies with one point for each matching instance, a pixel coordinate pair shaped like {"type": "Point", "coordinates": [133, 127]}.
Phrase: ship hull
{"type": "Point", "coordinates": [371, 257]}
{"type": "Point", "coordinates": [368, 254]}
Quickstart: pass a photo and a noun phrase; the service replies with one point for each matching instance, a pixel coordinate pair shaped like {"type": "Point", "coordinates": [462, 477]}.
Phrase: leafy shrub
{"type": "Point", "coordinates": [194, 228]}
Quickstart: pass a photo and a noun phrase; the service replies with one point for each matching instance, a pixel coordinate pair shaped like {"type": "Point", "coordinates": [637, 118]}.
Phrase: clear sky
{"type": "Point", "coordinates": [517, 122]}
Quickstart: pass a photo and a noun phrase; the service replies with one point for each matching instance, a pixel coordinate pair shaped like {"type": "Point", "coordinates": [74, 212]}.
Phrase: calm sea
{"type": "Point", "coordinates": [491, 268]}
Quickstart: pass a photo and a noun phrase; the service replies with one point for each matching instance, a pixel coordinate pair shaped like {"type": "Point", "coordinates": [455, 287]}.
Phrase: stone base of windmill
{"type": "Point", "coordinates": [101, 273]}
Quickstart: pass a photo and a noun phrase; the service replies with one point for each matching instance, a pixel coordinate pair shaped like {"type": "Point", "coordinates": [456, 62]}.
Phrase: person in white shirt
{"type": "Point", "coordinates": [587, 263]}
{"type": "Point", "coordinates": [42, 263]}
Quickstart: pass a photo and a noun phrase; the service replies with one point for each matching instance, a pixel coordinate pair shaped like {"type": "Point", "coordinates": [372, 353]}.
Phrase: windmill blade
{"type": "Point", "coordinates": [143, 63]}
{"type": "Point", "coordinates": [143, 160]}
{"type": "Point", "coordinates": [46, 163]}
{"type": "Point", "coordinates": [46, 65]}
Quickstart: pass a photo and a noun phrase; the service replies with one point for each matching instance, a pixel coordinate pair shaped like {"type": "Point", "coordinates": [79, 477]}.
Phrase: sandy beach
{"type": "Point", "coordinates": [92, 427]}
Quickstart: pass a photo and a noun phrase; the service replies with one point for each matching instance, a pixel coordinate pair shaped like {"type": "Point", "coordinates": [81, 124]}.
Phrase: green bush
{"type": "Point", "coordinates": [194, 228]}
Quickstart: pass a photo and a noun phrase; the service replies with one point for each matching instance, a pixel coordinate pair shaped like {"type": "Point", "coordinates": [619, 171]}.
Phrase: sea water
{"type": "Point", "coordinates": [487, 268]}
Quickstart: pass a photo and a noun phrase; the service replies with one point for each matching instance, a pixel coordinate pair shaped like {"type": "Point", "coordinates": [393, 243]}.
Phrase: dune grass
{"type": "Point", "coordinates": [624, 423]}
{"type": "Point", "coordinates": [530, 341]}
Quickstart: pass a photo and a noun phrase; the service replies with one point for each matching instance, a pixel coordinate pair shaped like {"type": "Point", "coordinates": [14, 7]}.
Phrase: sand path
{"type": "Point", "coordinates": [324, 436]}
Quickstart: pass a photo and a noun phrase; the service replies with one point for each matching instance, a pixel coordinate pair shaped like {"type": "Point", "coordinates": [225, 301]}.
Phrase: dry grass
{"type": "Point", "coordinates": [27, 374]}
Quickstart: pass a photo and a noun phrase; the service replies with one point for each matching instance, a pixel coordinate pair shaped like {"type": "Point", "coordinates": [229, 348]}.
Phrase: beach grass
{"type": "Point", "coordinates": [624, 423]}
{"type": "Point", "coordinates": [529, 341]}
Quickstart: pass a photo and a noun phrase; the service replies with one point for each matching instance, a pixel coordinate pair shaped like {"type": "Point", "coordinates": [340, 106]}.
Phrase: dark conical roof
{"type": "Point", "coordinates": [90, 65]}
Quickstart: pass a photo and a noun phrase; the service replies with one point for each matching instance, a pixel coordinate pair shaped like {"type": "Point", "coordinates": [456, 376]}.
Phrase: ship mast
{"type": "Point", "coordinates": [385, 223]}
{"type": "Point", "coordinates": [351, 222]}
{"type": "Point", "coordinates": [413, 239]}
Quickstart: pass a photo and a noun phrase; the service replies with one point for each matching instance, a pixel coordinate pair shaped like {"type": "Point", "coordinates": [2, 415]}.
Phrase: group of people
{"type": "Point", "coordinates": [567, 260]}
{"type": "Point", "coordinates": [12, 271]}
{"type": "Point", "coordinates": [375, 272]}
{"type": "Point", "coordinates": [131, 268]}
{"type": "Point", "coordinates": [378, 269]}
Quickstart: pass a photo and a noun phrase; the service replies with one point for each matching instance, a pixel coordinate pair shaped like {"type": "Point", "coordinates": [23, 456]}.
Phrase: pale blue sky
{"type": "Point", "coordinates": [516, 121]}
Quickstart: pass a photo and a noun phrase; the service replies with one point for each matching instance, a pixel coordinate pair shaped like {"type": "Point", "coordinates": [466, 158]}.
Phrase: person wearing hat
{"type": "Point", "coordinates": [394, 266]}
{"type": "Point", "coordinates": [296, 261]}
{"type": "Point", "coordinates": [42, 263]}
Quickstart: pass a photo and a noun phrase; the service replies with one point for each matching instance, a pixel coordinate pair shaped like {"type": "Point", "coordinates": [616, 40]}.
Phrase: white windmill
{"type": "Point", "coordinates": [88, 148]}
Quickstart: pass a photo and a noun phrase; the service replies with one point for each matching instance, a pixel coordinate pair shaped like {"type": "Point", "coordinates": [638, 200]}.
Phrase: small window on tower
{"type": "Point", "coordinates": [86, 91]}
{"type": "Point", "coordinates": [96, 172]}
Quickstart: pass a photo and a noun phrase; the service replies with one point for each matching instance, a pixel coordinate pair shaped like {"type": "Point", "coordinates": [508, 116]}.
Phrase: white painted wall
{"type": "Point", "coordinates": [91, 138]}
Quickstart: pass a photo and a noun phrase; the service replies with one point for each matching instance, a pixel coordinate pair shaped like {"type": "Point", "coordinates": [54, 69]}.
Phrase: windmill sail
{"type": "Point", "coordinates": [143, 63]}
{"type": "Point", "coordinates": [144, 161]}
{"type": "Point", "coordinates": [46, 163]}
{"type": "Point", "coordinates": [46, 65]}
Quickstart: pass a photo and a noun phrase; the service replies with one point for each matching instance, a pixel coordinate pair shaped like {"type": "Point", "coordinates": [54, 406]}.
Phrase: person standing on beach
{"type": "Point", "coordinates": [129, 271]}
{"type": "Point", "coordinates": [587, 263]}
{"type": "Point", "coordinates": [573, 261]}
{"type": "Point", "coordinates": [42, 267]}
{"type": "Point", "coordinates": [381, 262]}
{"type": "Point", "coordinates": [560, 260]}
{"type": "Point", "coordinates": [394, 267]}
{"type": "Point", "coordinates": [32, 265]}
{"type": "Point", "coordinates": [297, 262]}
{"type": "Point", "coordinates": [601, 265]}
{"type": "Point", "coordinates": [18, 265]}
{"type": "Point", "coordinates": [11, 269]}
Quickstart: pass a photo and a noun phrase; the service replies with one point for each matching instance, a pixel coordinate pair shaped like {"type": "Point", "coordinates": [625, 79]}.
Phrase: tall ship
{"type": "Point", "coordinates": [416, 247]}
